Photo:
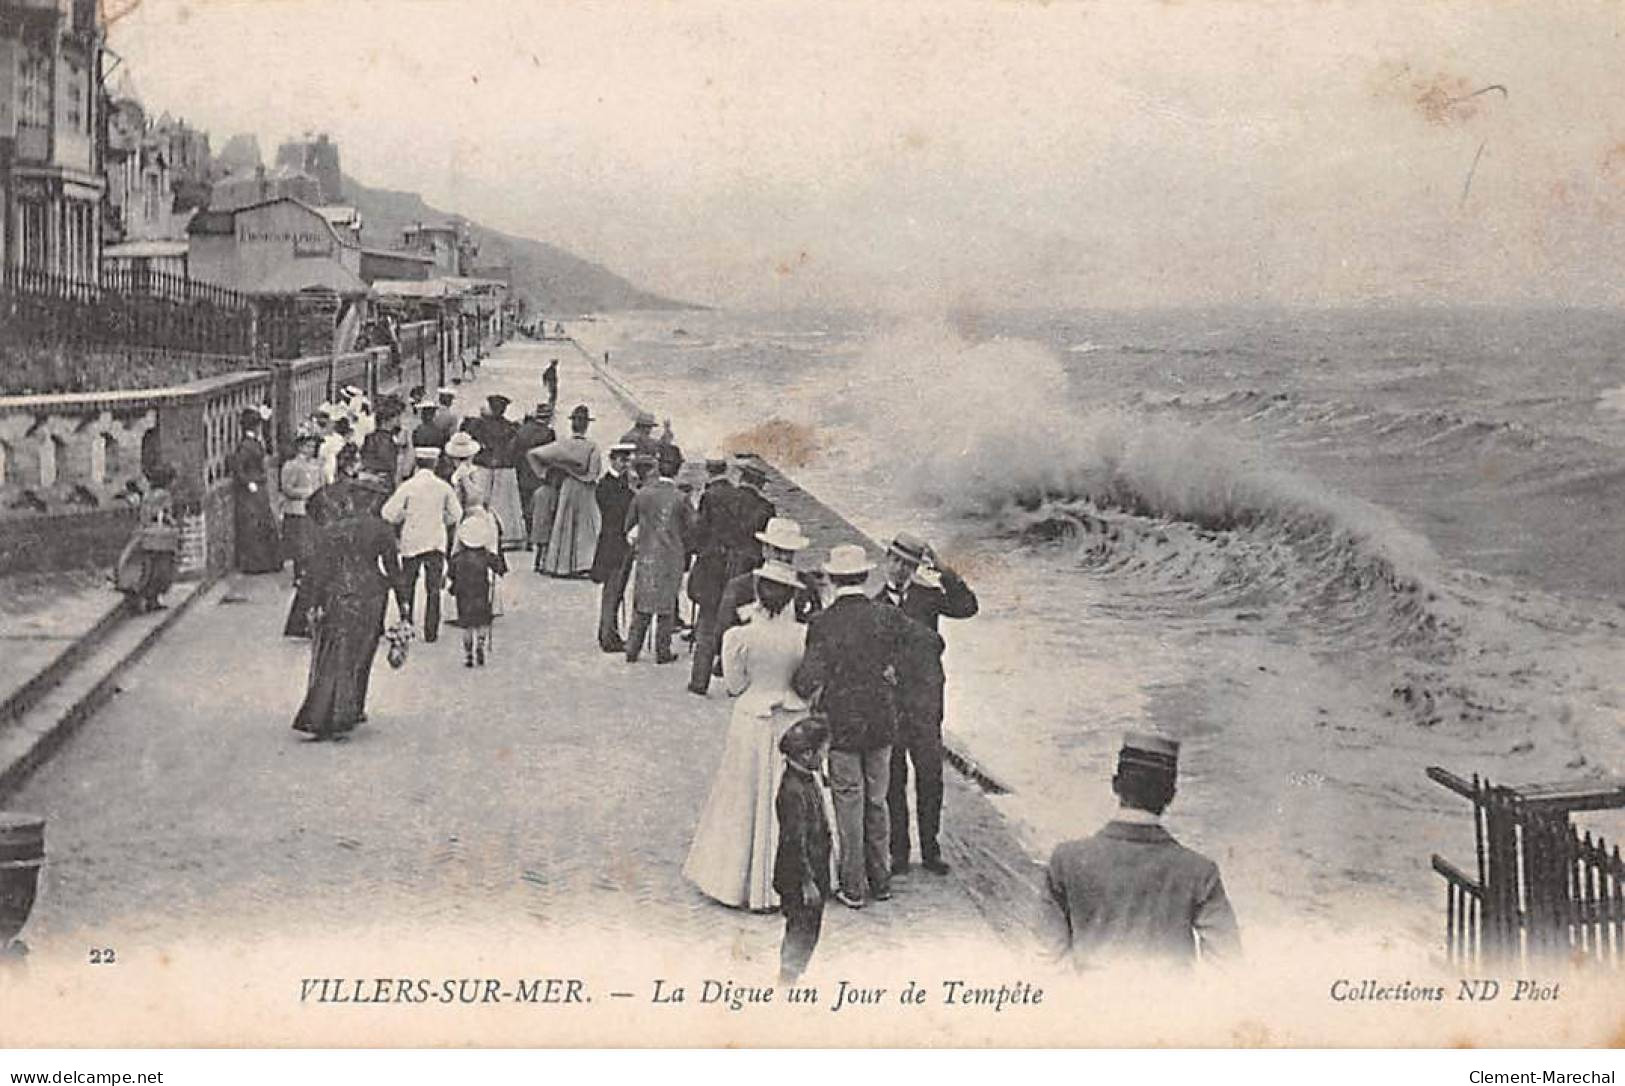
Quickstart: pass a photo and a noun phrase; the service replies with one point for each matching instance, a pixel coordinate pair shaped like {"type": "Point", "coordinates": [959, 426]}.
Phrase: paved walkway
{"type": "Point", "coordinates": [547, 798]}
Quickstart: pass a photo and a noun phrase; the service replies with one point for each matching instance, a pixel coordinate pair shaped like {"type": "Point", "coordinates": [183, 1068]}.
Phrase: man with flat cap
{"type": "Point", "coordinates": [1132, 891]}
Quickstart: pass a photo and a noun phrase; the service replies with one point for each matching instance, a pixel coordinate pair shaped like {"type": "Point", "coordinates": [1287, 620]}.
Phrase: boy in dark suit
{"type": "Point", "coordinates": [801, 866]}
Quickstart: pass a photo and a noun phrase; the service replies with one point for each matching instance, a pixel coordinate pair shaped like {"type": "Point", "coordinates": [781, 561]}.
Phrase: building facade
{"type": "Point", "coordinates": [449, 244]}
{"type": "Point", "coordinates": [50, 161]}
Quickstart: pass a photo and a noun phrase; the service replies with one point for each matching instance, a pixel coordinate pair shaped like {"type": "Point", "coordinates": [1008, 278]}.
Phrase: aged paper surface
{"type": "Point", "coordinates": [1256, 365]}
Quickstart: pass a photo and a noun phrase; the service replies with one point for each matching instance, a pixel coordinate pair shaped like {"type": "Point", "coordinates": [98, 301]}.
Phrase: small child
{"type": "Point", "coordinates": [146, 568]}
{"type": "Point", "coordinates": [475, 565]}
{"type": "Point", "coordinates": [801, 867]}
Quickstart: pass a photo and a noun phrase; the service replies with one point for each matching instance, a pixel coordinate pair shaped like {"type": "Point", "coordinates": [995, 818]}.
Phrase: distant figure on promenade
{"type": "Point", "coordinates": [801, 861]}
{"type": "Point", "coordinates": [550, 382]}
{"type": "Point", "coordinates": [713, 528]}
{"type": "Point", "coordinates": [612, 560]}
{"type": "Point", "coordinates": [665, 523]}
{"type": "Point", "coordinates": [535, 431]}
{"type": "Point", "coordinates": [1131, 891]}
{"type": "Point", "coordinates": [925, 590]}
{"type": "Point", "coordinates": [258, 548]}
{"type": "Point", "coordinates": [425, 509]}
{"type": "Point", "coordinates": [731, 858]}
{"type": "Point", "coordinates": [146, 568]}
{"type": "Point", "coordinates": [780, 541]}
{"type": "Point", "coordinates": [301, 479]}
{"type": "Point", "coordinates": [575, 523]}
{"type": "Point", "coordinates": [474, 572]}
{"type": "Point", "coordinates": [856, 652]}
{"type": "Point", "coordinates": [355, 567]}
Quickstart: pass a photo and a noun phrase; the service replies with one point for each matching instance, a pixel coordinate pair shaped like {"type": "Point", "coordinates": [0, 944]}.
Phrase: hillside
{"type": "Point", "coordinates": [552, 280]}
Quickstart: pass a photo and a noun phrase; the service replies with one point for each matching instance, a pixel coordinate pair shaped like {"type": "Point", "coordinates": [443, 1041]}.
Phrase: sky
{"type": "Point", "coordinates": [937, 155]}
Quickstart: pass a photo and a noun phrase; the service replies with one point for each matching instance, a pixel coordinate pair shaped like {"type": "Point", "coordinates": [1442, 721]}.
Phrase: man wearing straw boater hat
{"type": "Point", "coordinates": [925, 590]}
{"type": "Point", "coordinates": [856, 651]}
{"type": "Point", "coordinates": [1131, 890]}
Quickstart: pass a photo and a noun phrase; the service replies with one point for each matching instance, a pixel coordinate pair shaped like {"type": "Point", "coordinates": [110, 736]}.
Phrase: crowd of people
{"type": "Point", "coordinates": [834, 666]}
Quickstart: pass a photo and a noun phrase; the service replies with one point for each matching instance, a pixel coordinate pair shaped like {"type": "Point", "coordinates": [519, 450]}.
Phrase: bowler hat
{"type": "Point", "coordinates": [847, 560]}
{"type": "Point", "coordinates": [498, 403]}
{"type": "Point", "coordinates": [581, 411]}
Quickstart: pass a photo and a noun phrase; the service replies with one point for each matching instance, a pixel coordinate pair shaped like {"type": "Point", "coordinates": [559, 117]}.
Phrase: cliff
{"type": "Point", "coordinates": [553, 281]}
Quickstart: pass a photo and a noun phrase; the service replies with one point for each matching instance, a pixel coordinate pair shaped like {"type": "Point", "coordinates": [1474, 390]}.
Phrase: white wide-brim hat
{"type": "Point", "coordinates": [847, 560]}
{"type": "Point", "coordinates": [783, 533]}
{"type": "Point", "coordinates": [477, 532]}
{"type": "Point", "coordinates": [778, 573]}
{"type": "Point", "coordinates": [462, 446]}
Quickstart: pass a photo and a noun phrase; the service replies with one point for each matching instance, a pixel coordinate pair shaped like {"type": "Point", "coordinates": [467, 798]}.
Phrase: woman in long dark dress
{"type": "Point", "coordinates": [258, 549]}
{"type": "Point", "coordinates": [355, 567]}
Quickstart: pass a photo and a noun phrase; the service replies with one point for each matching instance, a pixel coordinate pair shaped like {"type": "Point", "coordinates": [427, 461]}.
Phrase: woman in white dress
{"type": "Point", "coordinates": [731, 858]}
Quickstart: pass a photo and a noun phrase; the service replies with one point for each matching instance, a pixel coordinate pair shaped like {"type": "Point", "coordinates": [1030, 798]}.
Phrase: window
{"type": "Point", "coordinates": [34, 86]}
{"type": "Point", "coordinates": [76, 117]}
{"type": "Point", "coordinates": [47, 461]}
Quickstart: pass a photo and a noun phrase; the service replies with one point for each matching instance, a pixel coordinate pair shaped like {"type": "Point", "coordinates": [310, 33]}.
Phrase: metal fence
{"type": "Point", "coordinates": [168, 313]}
{"type": "Point", "coordinates": [1544, 888]}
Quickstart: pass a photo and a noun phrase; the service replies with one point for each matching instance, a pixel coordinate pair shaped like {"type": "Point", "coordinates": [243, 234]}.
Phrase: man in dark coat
{"type": "Point", "coordinates": [1132, 891]}
{"type": "Point", "coordinates": [925, 591]}
{"type": "Point", "coordinates": [752, 511]}
{"type": "Point", "coordinates": [709, 574]}
{"type": "Point", "coordinates": [428, 434]}
{"type": "Point", "coordinates": [856, 652]}
{"type": "Point", "coordinates": [381, 449]}
{"type": "Point", "coordinates": [665, 523]}
{"type": "Point", "coordinates": [612, 561]}
{"type": "Point", "coordinates": [533, 433]}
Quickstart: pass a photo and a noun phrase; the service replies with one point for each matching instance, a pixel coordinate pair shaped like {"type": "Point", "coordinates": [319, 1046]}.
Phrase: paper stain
{"type": "Point", "coordinates": [784, 443]}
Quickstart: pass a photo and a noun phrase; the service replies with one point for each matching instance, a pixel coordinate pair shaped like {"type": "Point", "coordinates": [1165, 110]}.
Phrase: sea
{"type": "Point", "coordinates": [1325, 549]}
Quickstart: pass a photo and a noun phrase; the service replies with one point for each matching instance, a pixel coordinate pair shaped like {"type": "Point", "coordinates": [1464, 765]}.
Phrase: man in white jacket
{"type": "Point", "coordinates": [423, 508]}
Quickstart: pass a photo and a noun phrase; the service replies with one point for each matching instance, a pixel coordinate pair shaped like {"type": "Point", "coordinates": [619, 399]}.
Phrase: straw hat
{"type": "Point", "coordinates": [847, 560]}
{"type": "Point", "coordinates": [1149, 751]}
{"type": "Point", "coordinates": [462, 445]}
{"type": "Point", "coordinates": [783, 533]}
{"type": "Point", "coordinates": [778, 573]}
{"type": "Point", "coordinates": [425, 454]}
{"type": "Point", "coordinates": [910, 548]}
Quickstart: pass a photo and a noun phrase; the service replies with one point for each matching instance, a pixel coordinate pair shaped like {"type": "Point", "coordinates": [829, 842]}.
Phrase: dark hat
{"type": "Point", "coordinates": [249, 418]}
{"type": "Point", "coordinates": [753, 474]}
{"type": "Point", "coordinates": [804, 735]}
{"type": "Point", "coordinates": [910, 548]}
{"type": "Point", "coordinates": [644, 420]}
{"type": "Point", "coordinates": [1142, 750]}
{"type": "Point", "coordinates": [498, 403]}
{"type": "Point", "coordinates": [581, 411]}
{"type": "Point", "coordinates": [544, 410]}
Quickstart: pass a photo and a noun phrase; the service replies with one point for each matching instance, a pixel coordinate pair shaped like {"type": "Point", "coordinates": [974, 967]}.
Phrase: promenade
{"type": "Point", "coordinates": [541, 805]}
